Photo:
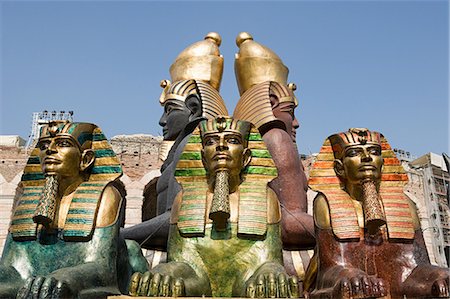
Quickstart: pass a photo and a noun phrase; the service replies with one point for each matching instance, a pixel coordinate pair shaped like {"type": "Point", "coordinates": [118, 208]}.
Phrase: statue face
{"type": "Point", "coordinates": [362, 162]}
{"type": "Point", "coordinates": [285, 112]}
{"type": "Point", "coordinates": [175, 117]}
{"type": "Point", "coordinates": [224, 151]}
{"type": "Point", "coordinates": [60, 156]}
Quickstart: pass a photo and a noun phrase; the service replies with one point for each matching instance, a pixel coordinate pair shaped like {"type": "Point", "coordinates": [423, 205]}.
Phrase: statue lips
{"type": "Point", "coordinates": [51, 160]}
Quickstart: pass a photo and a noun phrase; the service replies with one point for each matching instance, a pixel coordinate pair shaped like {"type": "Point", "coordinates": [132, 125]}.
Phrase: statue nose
{"type": "Point", "coordinates": [366, 156]}
{"type": "Point", "coordinates": [51, 148]}
{"type": "Point", "coordinates": [222, 146]}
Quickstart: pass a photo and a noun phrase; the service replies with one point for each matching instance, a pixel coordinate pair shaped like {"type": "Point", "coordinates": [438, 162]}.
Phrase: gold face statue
{"type": "Point", "coordinates": [361, 162]}
{"type": "Point", "coordinates": [60, 156]}
{"type": "Point", "coordinates": [65, 149]}
{"type": "Point", "coordinates": [225, 151]}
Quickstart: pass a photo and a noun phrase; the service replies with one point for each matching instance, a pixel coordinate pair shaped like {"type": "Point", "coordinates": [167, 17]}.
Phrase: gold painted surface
{"type": "Point", "coordinates": [255, 63]}
{"type": "Point", "coordinates": [201, 61]}
{"type": "Point", "coordinates": [273, 207]}
{"type": "Point", "coordinates": [108, 210]}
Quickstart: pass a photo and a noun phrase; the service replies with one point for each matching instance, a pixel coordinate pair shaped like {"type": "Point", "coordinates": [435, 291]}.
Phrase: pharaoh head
{"type": "Point", "coordinates": [262, 82]}
{"type": "Point", "coordinates": [65, 156]}
{"type": "Point", "coordinates": [65, 149]}
{"type": "Point", "coordinates": [196, 75]}
{"type": "Point", "coordinates": [357, 154]}
{"type": "Point", "coordinates": [358, 163]}
{"type": "Point", "coordinates": [224, 155]}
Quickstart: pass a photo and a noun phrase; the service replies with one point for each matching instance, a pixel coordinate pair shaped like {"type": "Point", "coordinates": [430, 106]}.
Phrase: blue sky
{"type": "Point", "coordinates": [377, 64]}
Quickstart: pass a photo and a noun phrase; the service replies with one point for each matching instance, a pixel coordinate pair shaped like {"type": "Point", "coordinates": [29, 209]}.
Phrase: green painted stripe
{"type": "Point", "coordinates": [24, 212]}
{"type": "Point", "coordinates": [193, 230]}
{"type": "Point", "coordinates": [191, 217]}
{"type": "Point", "coordinates": [85, 200]}
{"type": "Point", "coordinates": [253, 190]}
{"type": "Point", "coordinates": [104, 153]}
{"type": "Point", "coordinates": [92, 185]}
{"type": "Point", "coordinates": [22, 221]}
{"type": "Point", "coordinates": [195, 139]}
{"type": "Point", "coordinates": [106, 169]}
{"type": "Point", "coordinates": [76, 233]}
{"type": "Point", "coordinates": [89, 191]}
{"type": "Point", "coordinates": [84, 136]}
{"type": "Point", "coordinates": [26, 189]}
{"type": "Point", "coordinates": [189, 197]}
{"type": "Point", "coordinates": [24, 201]}
{"type": "Point", "coordinates": [81, 211]}
{"type": "Point", "coordinates": [191, 156]}
{"type": "Point", "coordinates": [261, 153]}
{"type": "Point", "coordinates": [190, 172]}
{"type": "Point", "coordinates": [79, 221]}
{"type": "Point", "coordinates": [33, 176]}
{"type": "Point", "coordinates": [98, 137]}
{"type": "Point", "coordinates": [33, 160]}
{"type": "Point", "coordinates": [28, 194]}
{"type": "Point", "coordinates": [254, 137]}
{"type": "Point", "coordinates": [192, 207]}
{"type": "Point", "coordinates": [256, 219]}
{"type": "Point", "coordinates": [262, 170]}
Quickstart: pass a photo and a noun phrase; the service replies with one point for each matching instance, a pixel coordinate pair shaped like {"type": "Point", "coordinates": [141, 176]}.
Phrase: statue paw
{"type": "Point", "coordinates": [44, 287]}
{"type": "Point", "coordinates": [440, 288]}
{"type": "Point", "coordinates": [273, 285]}
{"type": "Point", "coordinates": [360, 286]}
{"type": "Point", "coordinates": [155, 285]}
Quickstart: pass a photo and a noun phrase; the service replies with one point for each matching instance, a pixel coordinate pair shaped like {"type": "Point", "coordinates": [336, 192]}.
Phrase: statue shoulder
{"type": "Point", "coordinates": [109, 207]}
{"type": "Point", "coordinates": [321, 212]}
{"type": "Point", "coordinates": [273, 207]}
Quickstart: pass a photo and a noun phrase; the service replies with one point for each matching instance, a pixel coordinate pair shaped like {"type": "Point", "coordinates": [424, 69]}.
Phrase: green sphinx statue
{"type": "Point", "coordinates": [225, 235]}
{"type": "Point", "coordinates": [63, 240]}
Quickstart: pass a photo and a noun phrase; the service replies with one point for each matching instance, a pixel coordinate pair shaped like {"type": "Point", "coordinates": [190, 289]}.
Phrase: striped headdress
{"type": "Point", "coordinates": [192, 176]}
{"type": "Point", "coordinates": [80, 221]}
{"type": "Point", "coordinates": [254, 105]}
{"type": "Point", "coordinates": [212, 102]}
{"type": "Point", "coordinates": [393, 179]}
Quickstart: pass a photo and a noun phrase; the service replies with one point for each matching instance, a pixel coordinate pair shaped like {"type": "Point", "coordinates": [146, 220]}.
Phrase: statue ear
{"type": "Point", "coordinates": [339, 168]}
{"type": "Point", "coordinates": [194, 105]}
{"type": "Point", "coordinates": [274, 102]}
{"type": "Point", "coordinates": [87, 159]}
{"type": "Point", "coordinates": [246, 157]}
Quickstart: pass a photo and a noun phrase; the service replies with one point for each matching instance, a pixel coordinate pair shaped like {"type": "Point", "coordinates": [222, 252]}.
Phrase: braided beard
{"type": "Point", "coordinates": [220, 207]}
{"type": "Point", "coordinates": [46, 208]}
{"type": "Point", "coordinates": [374, 216]}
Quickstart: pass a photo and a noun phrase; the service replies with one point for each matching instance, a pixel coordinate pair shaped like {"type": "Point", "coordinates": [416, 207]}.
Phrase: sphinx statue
{"type": "Point", "coordinates": [63, 241]}
{"type": "Point", "coordinates": [193, 95]}
{"type": "Point", "coordinates": [225, 237]}
{"type": "Point", "coordinates": [268, 101]}
{"type": "Point", "coordinates": [369, 240]}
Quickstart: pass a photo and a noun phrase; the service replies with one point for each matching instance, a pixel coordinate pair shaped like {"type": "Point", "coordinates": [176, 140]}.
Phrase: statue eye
{"type": "Point", "coordinates": [43, 145]}
{"type": "Point", "coordinates": [63, 143]}
{"type": "Point", "coordinates": [352, 153]}
{"type": "Point", "coordinates": [375, 151]}
{"type": "Point", "coordinates": [210, 141]}
{"type": "Point", "coordinates": [234, 140]}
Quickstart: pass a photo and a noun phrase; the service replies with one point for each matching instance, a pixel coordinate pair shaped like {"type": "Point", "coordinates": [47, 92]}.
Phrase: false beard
{"type": "Point", "coordinates": [220, 206]}
{"type": "Point", "coordinates": [46, 208]}
{"type": "Point", "coordinates": [374, 216]}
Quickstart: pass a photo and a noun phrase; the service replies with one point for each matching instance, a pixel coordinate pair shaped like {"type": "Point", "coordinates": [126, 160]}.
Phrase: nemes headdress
{"type": "Point", "coordinates": [354, 136]}
{"type": "Point", "coordinates": [191, 174]}
{"type": "Point", "coordinates": [106, 169]}
{"type": "Point", "coordinates": [260, 74]}
{"type": "Point", "coordinates": [198, 70]}
{"type": "Point", "coordinates": [220, 124]}
{"type": "Point", "coordinates": [323, 178]}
